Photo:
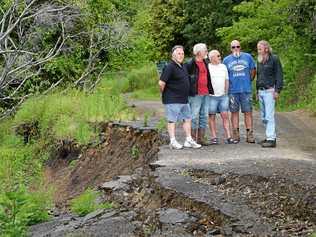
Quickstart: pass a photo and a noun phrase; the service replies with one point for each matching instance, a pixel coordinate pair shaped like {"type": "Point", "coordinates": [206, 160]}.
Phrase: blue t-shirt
{"type": "Point", "coordinates": [239, 72]}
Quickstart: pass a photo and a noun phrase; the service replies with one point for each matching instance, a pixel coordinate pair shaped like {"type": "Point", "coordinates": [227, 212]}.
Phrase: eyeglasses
{"type": "Point", "coordinates": [237, 46]}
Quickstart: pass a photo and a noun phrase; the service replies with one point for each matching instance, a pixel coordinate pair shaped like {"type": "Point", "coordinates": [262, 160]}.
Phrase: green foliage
{"type": "Point", "coordinates": [66, 67]}
{"type": "Point", "coordinates": [135, 152]}
{"type": "Point", "coordinates": [161, 125]}
{"type": "Point", "coordinates": [21, 208]}
{"type": "Point", "coordinates": [202, 20]}
{"type": "Point", "coordinates": [142, 78]}
{"type": "Point", "coordinates": [168, 20]}
{"type": "Point", "coordinates": [68, 116]}
{"type": "Point", "coordinates": [87, 202]}
{"type": "Point", "coordinates": [271, 20]}
{"type": "Point", "coordinates": [141, 82]}
{"type": "Point", "coordinates": [151, 93]}
{"type": "Point", "coordinates": [147, 116]}
{"type": "Point", "coordinates": [141, 47]}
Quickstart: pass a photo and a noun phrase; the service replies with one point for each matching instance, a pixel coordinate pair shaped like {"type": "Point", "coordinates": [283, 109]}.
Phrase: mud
{"type": "Point", "coordinates": [289, 207]}
{"type": "Point", "coordinates": [225, 190]}
{"type": "Point", "coordinates": [120, 150]}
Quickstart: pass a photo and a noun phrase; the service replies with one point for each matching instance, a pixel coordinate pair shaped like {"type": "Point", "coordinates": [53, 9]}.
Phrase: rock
{"type": "Point", "coordinates": [213, 232]}
{"type": "Point", "coordinates": [113, 227]}
{"type": "Point", "coordinates": [129, 215]}
{"type": "Point", "coordinates": [173, 216]}
{"type": "Point", "coordinates": [121, 183]}
{"type": "Point", "coordinates": [108, 214]}
{"type": "Point", "coordinates": [93, 215]}
{"type": "Point", "coordinates": [218, 180]}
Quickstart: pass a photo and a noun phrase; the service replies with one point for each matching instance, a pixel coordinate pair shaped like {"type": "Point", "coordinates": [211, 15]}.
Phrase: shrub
{"type": "Point", "coordinates": [87, 202]}
{"type": "Point", "coordinates": [69, 116]}
{"type": "Point", "coordinates": [21, 208]}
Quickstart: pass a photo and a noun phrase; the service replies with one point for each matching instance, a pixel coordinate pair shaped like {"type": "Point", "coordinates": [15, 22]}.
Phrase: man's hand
{"type": "Point", "coordinates": [162, 85]}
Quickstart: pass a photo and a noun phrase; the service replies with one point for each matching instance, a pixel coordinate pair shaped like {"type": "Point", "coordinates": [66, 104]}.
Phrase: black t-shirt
{"type": "Point", "coordinates": [177, 84]}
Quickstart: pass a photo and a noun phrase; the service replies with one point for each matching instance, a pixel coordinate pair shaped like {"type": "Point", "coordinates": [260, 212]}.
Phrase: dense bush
{"type": "Point", "coordinates": [19, 209]}
{"type": "Point", "coordinates": [270, 20]}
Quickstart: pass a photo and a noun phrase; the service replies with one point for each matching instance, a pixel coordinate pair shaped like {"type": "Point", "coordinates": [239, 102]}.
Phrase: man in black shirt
{"type": "Point", "coordinates": [174, 85]}
{"type": "Point", "coordinates": [269, 85]}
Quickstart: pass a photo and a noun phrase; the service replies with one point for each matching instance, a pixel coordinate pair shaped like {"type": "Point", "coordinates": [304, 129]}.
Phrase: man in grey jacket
{"type": "Point", "coordinates": [269, 85]}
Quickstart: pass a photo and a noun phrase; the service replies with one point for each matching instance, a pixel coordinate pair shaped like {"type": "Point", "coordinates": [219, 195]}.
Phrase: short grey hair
{"type": "Point", "coordinates": [234, 42]}
{"type": "Point", "coordinates": [174, 48]}
{"type": "Point", "coordinates": [266, 45]}
{"type": "Point", "coordinates": [213, 53]}
{"type": "Point", "coordinates": [199, 48]}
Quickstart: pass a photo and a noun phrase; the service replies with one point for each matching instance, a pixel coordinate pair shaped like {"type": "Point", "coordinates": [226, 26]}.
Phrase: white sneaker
{"type": "Point", "coordinates": [191, 144]}
{"type": "Point", "coordinates": [175, 145]}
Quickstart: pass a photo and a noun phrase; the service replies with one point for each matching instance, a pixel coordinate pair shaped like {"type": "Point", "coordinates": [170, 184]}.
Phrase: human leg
{"type": "Point", "coordinates": [172, 112]}
{"type": "Point", "coordinates": [269, 103]}
{"type": "Point", "coordinates": [212, 125]}
{"type": "Point", "coordinates": [203, 117]}
{"type": "Point", "coordinates": [234, 106]}
{"type": "Point", "coordinates": [195, 105]}
{"type": "Point", "coordinates": [246, 108]}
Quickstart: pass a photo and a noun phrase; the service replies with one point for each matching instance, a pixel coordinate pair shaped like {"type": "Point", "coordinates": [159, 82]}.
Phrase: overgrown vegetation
{"type": "Point", "coordinates": [87, 202]}
{"type": "Point", "coordinates": [27, 139]}
{"type": "Point", "coordinates": [109, 50]}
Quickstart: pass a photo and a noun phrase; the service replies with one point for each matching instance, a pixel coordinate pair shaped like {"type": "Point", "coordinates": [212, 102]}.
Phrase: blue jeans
{"type": "Point", "coordinates": [199, 108]}
{"type": "Point", "coordinates": [218, 104]}
{"type": "Point", "coordinates": [267, 108]}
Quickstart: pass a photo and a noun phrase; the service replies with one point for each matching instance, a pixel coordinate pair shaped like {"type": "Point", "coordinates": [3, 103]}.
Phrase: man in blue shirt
{"type": "Point", "coordinates": [241, 71]}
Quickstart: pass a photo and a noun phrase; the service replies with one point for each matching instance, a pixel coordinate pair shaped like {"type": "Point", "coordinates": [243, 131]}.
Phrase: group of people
{"type": "Point", "coordinates": [194, 92]}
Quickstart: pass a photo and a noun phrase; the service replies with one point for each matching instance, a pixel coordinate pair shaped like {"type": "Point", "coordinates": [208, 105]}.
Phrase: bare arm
{"type": "Point", "coordinates": [253, 74]}
{"type": "Point", "coordinates": [226, 86]}
{"type": "Point", "coordinates": [162, 85]}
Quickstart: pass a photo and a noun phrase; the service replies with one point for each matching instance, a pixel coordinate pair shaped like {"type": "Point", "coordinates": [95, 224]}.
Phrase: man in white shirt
{"type": "Point", "coordinates": [219, 102]}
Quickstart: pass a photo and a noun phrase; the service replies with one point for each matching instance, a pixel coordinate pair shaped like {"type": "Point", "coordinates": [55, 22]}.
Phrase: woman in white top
{"type": "Point", "coordinates": [219, 102]}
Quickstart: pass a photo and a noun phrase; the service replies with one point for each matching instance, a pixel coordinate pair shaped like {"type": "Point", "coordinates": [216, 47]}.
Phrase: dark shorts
{"type": "Point", "coordinates": [241, 101]}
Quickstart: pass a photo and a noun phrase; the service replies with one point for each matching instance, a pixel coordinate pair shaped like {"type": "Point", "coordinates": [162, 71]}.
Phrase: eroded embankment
{"type": "Point", "coordinates": [150, 203]}
{"type": "Point", "coordinates": [119, 151]}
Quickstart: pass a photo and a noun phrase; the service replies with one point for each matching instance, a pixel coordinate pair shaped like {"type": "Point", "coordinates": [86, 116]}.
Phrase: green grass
{"type": "Point", "coordinates": [147, 94]}
{"type": "Point", "coordinates": [71, 115]}
{"type": "Point", "coordinates": [87, 202]}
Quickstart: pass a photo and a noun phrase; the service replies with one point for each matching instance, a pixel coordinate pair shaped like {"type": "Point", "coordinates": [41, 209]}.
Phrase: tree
{"type": "Point", "coordinates": [273, 21]}
{"type": "Point", "coordinates": [203, 18]}
{"type": "Point", "coordinates": [44, 45]}
{"type": "Point", "coordinates": [167, 23]}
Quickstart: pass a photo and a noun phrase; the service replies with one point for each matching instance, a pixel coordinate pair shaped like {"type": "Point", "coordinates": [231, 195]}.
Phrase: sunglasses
{"type": "Point", "coordinates": [238, 46]}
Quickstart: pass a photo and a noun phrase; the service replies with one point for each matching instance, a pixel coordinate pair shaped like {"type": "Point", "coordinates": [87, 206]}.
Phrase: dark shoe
{"type": "Point", "coordinates": [230, 141]}
{"type": "Point", "coordinates": [236, 135]}
{"type": "Point", "coordinates": [250, 137]}
{"type": "Point", "coordinates": [214, 141]}
{"type": "Point", "coordinates": [262, 141]}
{"type": "Point", "coordinates": [269, 144]}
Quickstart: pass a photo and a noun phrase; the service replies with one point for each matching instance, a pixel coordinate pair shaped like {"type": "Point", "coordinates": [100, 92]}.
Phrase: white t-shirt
{"type": "Point", "coordinates": [219, 75]}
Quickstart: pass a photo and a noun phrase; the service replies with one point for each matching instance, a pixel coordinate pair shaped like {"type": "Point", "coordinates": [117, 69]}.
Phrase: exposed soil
{"type": "Point", "coordinates": [121, 150]}
{"type": "Point", "coordinates": [226, 190]}
{"type": "Point", "coordinates": [288, 206]}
